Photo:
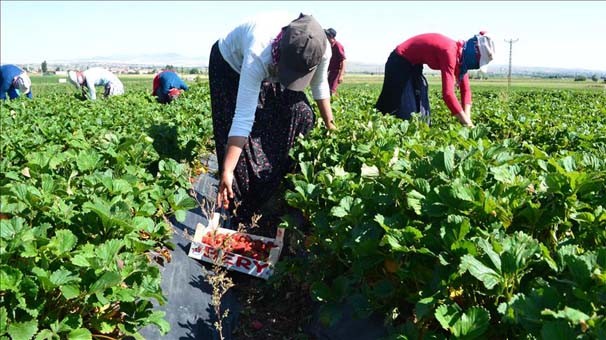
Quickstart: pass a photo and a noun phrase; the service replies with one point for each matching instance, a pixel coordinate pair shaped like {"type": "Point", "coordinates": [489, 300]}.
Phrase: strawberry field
{"type": "Point", "coordinates": [497, 231]}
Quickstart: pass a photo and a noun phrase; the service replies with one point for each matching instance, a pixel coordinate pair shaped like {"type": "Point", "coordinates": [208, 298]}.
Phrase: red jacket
{"type": "Point", "coordinates": [439, 53]}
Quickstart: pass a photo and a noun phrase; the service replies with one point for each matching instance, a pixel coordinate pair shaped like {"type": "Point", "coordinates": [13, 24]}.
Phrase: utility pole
{"type": "Point", "coordinates": [510, 41]}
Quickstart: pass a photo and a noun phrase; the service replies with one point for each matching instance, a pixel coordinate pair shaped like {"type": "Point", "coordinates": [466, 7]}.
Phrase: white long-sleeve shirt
{"type": "Point", "coordinates": [97, 76]}
{"type": "Point", "coordinates": [247, 49]}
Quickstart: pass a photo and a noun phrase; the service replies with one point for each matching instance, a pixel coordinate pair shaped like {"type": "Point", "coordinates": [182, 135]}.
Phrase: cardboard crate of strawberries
{"type": "Point", "coordinates": [246, 253]}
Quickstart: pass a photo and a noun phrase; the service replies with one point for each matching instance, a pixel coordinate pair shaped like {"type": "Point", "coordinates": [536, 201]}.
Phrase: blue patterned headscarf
{"type": "Point", "coordinates": [470, 57]}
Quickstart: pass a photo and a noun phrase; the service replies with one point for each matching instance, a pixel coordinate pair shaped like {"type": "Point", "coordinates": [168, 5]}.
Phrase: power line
{"type": "Point", "coordinates": [510, 41]}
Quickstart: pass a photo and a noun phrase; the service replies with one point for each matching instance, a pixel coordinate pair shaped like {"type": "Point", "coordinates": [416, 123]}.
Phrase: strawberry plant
{"type": "Point", "coordinates": [86, 190]}
{"type": "Point", "coordinates": [496, 231]}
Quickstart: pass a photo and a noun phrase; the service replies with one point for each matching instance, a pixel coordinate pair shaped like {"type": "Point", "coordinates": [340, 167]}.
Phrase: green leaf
{"type": "Point", "coordinates": [547, 257]}
{"type": "Point", "coordinates": [147, 209]}
{"type": "Point", "coordinates": [320, 291]}
{"type": "Point", "coordinates": [449, 153]}
{"type": "Point", "coordinates": [108, 251]}
{"type": "Point", "coordinates": [181, 215]}
{"type": "Point", "coordinates": [369, 171]}
{"type": "Point", "coordinates": [62, 276]}
{"type": "Point", "coordinates": [10, 279]}
{"type": "Point", "coordinates": [144, 223]}
{"type": "Point", "coordinates": [23, 330]}
{"type": "Point", "coordinates": [7, 229]}
{"type": "Point", "coordinates": [568, 163]}
{"type": "Point", "coordinates": [525, 310]}
{"type": "Point", "coordinates": [488, 276]}
{"type": "Point", "coordinates": [393, 241]}
{"type": "Point", "coordinates": [80, 334]}
{"type": "Point", "coordinates": [120, 186]}
{"type": "Point", "coordinates": [447, 315]}
{"type": "Point", "coordinates": [463, 192]}
{"type": "Point", "coordinates": [573, 315]}
{"type": "Point", "coordinates": [47, 184]}
{"type": "Point", "coordinates": [338, 212]}
{"type": "Point", "coordinates": [110, 215]}
{"type": "Point", "coordinates": [492, 255]}
{"type": "Point", "coordinates": [472, 324]}
{"type": "Point", "coordinates": [344, 207]}
{"type": "Point", "coordinates": [380, 219]}
{"type": "Point", "coordinates": [126, 295]}
{"type": "Point", "coordinates": [184, 201]}
{"type": "Point", "coordinates": [306, 170]}
{"type": "Point", "coordinates": [45, 334]}
{"type": "Point", "coordinates": [3, 319]}
{"type": "Point", "coordinates": [457, 195]}
{"type": "Point", "coordinates": [469, 325]}
{"type": "Point", "coordinates": [519, 252]}
{"type": "Point", "coordinates": [80, 261]}
{"type": "Point", "coordinates": [63, 242]}
{"type": "Point", "coordinates": [70, 291]}
{"type": "Point", "coordinates": [69, 323]}
{"type": "Point", "coordinates": [414, 200]}
{"type": "Point", "coordinates": [454, 232]}
{"type": "Point", "coordinates": [108, 279]}
{"type": "Point", "coordinates": [87, 160]}
{"type": "Point", "coordinates": [106, 327]}
{"type": "Point", "coordinates": [504, 173]}
{"type": "Point", "coordinates": [424, 306]}
{"type": "Point", "coordinates": [583, 217]}
{"type": "Point", "coordinates": [422, 185]}
{"type": "Point", "coordinates": [580, 270]}
{"type": "Point", "coordinates": [157, 318]}
{"type": "Point", "coordinates": [557, 330]}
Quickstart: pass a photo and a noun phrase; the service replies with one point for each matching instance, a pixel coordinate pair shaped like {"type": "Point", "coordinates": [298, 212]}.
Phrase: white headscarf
{"type": "Point", "coordinates": [487, 51]}
{"type": "Point", "coordinates": [74, 78]}
{"type": "Point", "coordinates": [23, 83]}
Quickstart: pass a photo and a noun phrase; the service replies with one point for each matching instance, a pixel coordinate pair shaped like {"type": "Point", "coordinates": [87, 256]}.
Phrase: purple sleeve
{"type": "Point", "coordinates": [341, 52]}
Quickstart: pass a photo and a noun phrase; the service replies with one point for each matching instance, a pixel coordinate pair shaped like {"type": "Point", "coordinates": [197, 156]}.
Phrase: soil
{"type": "Point", "coordinates": [272, 312]}
{"type": "Point", "coordinates": [279, 309]}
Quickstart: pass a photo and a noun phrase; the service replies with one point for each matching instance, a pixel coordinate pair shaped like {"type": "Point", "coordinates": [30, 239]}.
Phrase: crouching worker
{"type": "Point", "coordinates": [404, 81]}
{"type": "Point", "coordinates": [96, 76]}
{"type": "Point", "coordinates": [257, 77]}
{"type": "Point", "coordinates": [167, 86]}
{"type": "Point", "coordinates": [15, 82]}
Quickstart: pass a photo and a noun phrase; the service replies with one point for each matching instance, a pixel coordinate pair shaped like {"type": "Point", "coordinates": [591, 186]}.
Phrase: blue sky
{"type": "Point", "coordinates": [551, 34]}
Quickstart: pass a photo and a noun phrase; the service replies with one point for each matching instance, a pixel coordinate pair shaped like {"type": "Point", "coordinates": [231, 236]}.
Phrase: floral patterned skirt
{"type": "Point", "coordinates": [281, 117]}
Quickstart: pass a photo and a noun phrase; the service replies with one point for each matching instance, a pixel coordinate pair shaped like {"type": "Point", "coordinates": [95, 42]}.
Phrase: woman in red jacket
{"type": "Point", "coordinates": [452, 58]}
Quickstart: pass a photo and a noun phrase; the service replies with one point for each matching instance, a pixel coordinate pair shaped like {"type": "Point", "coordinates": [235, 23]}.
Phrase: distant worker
{"type": "Point", "coordinates": [167, 86]}
{"type": "Point", "coordinates": [15, 82]}
{"type": "Point", "coordinates": [96, 76]}
{"type": "Point", "coordinates": [336, 67]}
{"type": "Point", "coordinates": [453, 58]}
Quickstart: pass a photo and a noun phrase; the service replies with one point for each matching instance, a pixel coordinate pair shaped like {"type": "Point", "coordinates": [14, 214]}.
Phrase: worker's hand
{"type": "Point", "coordinates": [331, 126]}
{"type": "Point", "coordinates": [225, 189]}
{"type": "Point", "coordinates": [340, 80]}
{"type": "Point", "coordinates": [465, 119]}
